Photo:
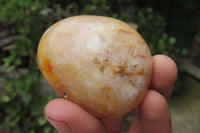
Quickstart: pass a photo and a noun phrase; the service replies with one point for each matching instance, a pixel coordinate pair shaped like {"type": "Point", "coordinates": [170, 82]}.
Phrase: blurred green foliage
{"type": "Point", "coordinates": [22, 103]}
{"type": "Point", "coordinates": [152, 27]}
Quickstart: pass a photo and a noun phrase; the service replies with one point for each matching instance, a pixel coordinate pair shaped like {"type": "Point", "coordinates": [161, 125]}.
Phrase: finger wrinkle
{"type": "Point", "coordinates": [57, 120]}
{"type": "Point", "coordinates": [73, 116]}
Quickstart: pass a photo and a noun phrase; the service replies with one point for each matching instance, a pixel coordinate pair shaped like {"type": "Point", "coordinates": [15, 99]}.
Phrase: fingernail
{"type": "Point", "coordinates": [60, 125]}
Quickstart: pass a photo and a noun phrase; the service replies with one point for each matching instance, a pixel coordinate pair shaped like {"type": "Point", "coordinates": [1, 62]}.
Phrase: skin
{"type": "Point", "coordinates": [153, 115]}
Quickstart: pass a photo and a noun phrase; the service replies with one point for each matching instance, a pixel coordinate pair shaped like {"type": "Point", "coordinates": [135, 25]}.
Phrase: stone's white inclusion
{"type": "Point", "coordinates": [95, 43]}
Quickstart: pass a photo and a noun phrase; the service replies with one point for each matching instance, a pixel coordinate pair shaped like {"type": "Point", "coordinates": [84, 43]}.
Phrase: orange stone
{"type": "Point", "coordinates": [99, 63]}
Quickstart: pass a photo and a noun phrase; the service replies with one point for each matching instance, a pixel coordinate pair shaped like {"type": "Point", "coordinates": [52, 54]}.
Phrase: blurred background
{"type": "Point", "coordinates": [170, 27]}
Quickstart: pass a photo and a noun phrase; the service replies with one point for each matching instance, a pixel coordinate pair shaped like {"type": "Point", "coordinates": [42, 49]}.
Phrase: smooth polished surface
{"type": "Point", "coordinates": [99, 63]}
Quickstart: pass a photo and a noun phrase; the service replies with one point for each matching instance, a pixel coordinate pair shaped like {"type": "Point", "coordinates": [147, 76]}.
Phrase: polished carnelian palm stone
{"type": "Point", "coordinates": [99, 63]}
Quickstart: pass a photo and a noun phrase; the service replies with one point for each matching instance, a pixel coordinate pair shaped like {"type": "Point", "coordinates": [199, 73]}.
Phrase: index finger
{"type": "Point", "coordinates": [164, 75]}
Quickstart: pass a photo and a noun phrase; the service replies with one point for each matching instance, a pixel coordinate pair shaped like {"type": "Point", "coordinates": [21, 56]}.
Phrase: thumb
{"type": "Point", "coordinates": [68, 117]}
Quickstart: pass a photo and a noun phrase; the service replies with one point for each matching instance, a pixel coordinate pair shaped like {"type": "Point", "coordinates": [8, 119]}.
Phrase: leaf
{"type": "Point", "coordinates": [8, 61]}
{"type": "Point", "coordinates": [5, 98]}
{"type": "Point", "coordinates": [161, 44]}
{"type": "Point", "coordinates": [48, 129]}
{"type": "Point", "coordinates": [172, 40]}
{"type": "Point", "coordinates": [41, 121]}
{"type": "Point", "coordinates": [32, 131]}
{"type": "Point", "coordinates": [16, 119]}
{"type": "Point", "coordinates": [38, 105]}
{"type": "Point", "coordinates": [184, 51]}
{"type": "Point", "coordinates": [12, 109]}
{"type": "Point", "coordinates": [27, 99]}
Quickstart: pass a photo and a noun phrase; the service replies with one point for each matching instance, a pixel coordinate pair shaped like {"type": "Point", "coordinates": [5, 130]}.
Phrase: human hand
{"type": "Point", "coordinates": [152, 115]}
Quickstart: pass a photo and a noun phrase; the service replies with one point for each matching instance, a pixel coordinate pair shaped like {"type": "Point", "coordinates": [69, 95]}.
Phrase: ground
{"type": "Point", "coordinates": [185, 107]}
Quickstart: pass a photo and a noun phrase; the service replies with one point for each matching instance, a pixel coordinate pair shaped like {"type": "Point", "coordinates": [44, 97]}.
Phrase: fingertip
{"type": "Point", "coordinates": [55, 108]}
{"type": "Point", "coordinates": [62, 109]}
{"type": "Point", "coordinates": [164, 74]}
{"type": "Point", "coordinates": [54, 113]}
{"type": "Point", "coordinates": [66, 116]}
{"type": "Point", "coordinates": [165, 70]}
